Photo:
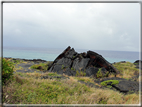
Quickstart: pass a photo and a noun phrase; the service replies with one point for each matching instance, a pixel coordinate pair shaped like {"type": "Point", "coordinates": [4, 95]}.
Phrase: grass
{"type": "Point", "coordinates": [85, 79]}
{"type": "Point", "coordinates": [127, 70]}
{"type": "Point", "coordinates": [28, 88]}
{"type": "Point", "coordinates": [43, 66]}
{"type": "Point", "coordinates": [81, 73]}
{"type": "Point", "coordinates": [15, 61]}
{"type": "Point", "coordinates": [53, 74]}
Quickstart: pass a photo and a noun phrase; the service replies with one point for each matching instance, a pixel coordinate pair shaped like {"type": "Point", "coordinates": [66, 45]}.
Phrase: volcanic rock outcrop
{"type": "Point", "coordinates": [72, 63]}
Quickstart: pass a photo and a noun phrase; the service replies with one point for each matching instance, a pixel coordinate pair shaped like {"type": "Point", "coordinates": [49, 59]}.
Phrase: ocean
{"type": "Point", "coordinates": [51, 54]}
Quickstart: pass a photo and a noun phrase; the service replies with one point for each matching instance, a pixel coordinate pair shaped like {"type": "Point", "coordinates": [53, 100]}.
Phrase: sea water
{"type": "Point", "coordinates": [51, 54]}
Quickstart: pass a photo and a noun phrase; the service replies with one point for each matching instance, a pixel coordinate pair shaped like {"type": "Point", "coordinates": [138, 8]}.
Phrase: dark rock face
{"type": "Point", "coordinates": [138, 61]}
{"type": "Point", "coordinates": [80, 65]}
{"type": "Point", "coordinates": [71, 63]}
{"type": "Point", "coordinates": [138, 64]}
{"type": "Point", "coordinates": [91, 71]}
{"type": "Point", "coordinates": [124, 85]}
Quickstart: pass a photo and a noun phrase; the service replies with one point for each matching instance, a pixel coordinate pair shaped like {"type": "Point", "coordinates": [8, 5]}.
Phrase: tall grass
{"type": "Point", "coordinates": [28, 90]}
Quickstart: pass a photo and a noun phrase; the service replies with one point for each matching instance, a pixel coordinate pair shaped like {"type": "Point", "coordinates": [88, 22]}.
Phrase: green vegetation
{"type": "Point", "coordinates": [17, 61]}
{"type": "Point", "coordinates": [17, 68]}
{"type": "Point", "coordinates": [99, 74]}
{"type": "Point", "coordinates": [127, 69]}
{"type": "Point", "coordinates": [104, 83]}
{"type": "Point", "coordinates": [77, 73]}
{"type": "Point", "coordinates": [109, 86]}
{"type": "Point", "coordinates": [36, 91]}
{"type": "Point", "coordinates": [43, 66]}
{"type": "Point", "coordinates": [72, 69]}
{"type": "Point", "coordinates": [28, 88]}
{"type": "Point", "coordinates": [7, 70]}
{"type": "Point", "coordinates": [24, 89]}
{"type": "Point", "coordinates": [62, 67]}
{"type": "Point", "coordinates": [81, 73]}
{"type": "Point", "coordinates": [73, 56]}
{"type": "Point", "coordinates": [85, 79]}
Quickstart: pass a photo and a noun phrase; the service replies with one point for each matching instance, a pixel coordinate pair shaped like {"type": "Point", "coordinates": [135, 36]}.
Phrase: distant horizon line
{"type": "Point", "coordinates": [62, 48]}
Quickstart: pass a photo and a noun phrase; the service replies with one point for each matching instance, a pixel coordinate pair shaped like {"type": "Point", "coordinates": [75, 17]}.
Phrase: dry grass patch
{"type": "Point", "coordinates": [131, 99]}
{"type": "Point", "coordinates": [17, 68]}
{"type": "Point", "coordinates": [85, 79]}
{"type": "Point", "coordinates": [35, 74]}
{"type": "Point", "coordinates": [127, 69]}
{"type": "Point", "coordinates": [72, 79]}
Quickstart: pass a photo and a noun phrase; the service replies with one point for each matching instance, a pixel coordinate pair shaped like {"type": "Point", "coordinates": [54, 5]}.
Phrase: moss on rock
{"type": "Point", "coordinates": [113, 82]}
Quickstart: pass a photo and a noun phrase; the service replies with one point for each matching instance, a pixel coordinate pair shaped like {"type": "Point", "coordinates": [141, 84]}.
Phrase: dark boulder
{"type": "Point", "coordinates": [71, 63]}
{"type": "Point", "coordinates": [138, 64]}
{"type": "Point", "coordinates": [138, 61]}
{"type": "Point", "coordinates": [39, 67]}
{"type": "Point", "coordinates": [98, 61]}
{"type": "Point", "coordinates": [124, 85]}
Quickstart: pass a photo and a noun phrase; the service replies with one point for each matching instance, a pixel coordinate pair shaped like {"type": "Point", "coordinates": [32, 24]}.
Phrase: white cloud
{"type": "Point", "coordinates": [95, 26]}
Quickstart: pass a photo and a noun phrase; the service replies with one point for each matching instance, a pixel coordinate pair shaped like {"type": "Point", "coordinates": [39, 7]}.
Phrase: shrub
{"type": "Point", "coordinates": [99, 74]}
{"type": "Point", "coordinates": [7, 70]}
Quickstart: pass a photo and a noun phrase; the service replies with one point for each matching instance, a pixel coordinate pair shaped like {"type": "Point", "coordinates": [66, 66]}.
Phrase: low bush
{"type": "Point", "coordinates": [7, 70]}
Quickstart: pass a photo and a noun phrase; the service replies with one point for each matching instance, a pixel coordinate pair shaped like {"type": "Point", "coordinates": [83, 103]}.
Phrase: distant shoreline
{"type": "Point", "coordinates": [26, 59]}
{"type": "Point", "coordinates": [51, 61]}
{"type": "Point", "coordinates": [51, 54]}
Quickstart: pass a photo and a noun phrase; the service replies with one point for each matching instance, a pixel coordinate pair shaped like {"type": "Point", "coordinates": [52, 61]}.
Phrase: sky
{"type": "Point", "coordinates": [91, 26]}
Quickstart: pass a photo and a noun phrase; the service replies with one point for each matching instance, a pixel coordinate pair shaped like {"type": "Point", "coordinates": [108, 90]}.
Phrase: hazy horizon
{"type": "Point", "coordinates": [42, 48]}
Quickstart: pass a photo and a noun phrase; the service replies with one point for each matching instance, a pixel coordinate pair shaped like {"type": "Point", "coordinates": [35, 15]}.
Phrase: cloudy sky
{"type": "Point", "coordinates": [91, 26]}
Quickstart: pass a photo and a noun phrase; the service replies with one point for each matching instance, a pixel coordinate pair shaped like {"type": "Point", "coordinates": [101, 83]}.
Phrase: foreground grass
{"type": "Point", "coordinates": [28, 88]}
{"type": "Point", "coordinates": [25, 89]}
